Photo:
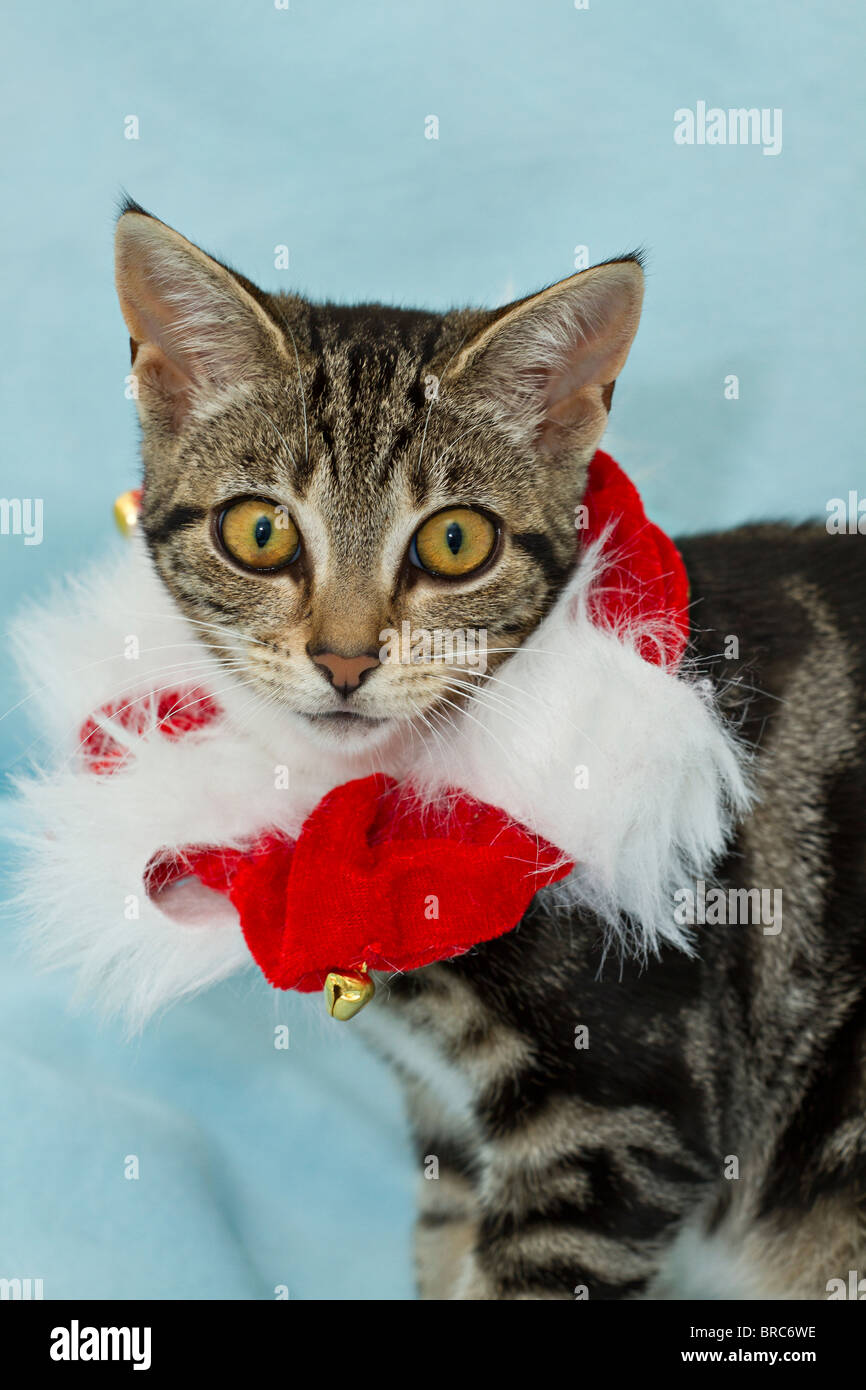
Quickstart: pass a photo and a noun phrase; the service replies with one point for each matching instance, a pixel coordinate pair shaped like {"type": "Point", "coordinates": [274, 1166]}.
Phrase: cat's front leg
{"type": "Point", "coordinates": [446, 1232]}
{"type": "Point", "coordinates": [597, 1225]}
{"type": "Point", "coordinates": [446, 1228]}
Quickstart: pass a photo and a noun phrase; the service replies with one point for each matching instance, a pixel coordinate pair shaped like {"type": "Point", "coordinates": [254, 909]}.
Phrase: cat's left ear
{"type": "Point", "coordinates": [545, 367]}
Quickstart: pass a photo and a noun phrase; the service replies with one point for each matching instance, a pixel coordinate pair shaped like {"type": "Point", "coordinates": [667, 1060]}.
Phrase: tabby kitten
{"type": "Point", "coordinates": [317, 474]}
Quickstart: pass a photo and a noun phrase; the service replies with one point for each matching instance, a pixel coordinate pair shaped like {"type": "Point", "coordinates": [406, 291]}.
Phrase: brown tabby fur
{"type": "Point", "coordinates": [556, 1175]}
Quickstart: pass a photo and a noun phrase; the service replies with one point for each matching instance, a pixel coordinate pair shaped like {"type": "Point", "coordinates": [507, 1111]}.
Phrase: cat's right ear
{"type": "Point", "coordinates": [194, 329]}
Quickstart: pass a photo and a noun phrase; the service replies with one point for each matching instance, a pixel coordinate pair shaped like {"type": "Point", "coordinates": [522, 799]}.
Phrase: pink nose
{"type": "Point", "coordinates": [345, 672]}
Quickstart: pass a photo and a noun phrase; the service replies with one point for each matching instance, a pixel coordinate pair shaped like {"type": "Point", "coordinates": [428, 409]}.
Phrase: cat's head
{"type": "Point", "coordinates": [365, 509]}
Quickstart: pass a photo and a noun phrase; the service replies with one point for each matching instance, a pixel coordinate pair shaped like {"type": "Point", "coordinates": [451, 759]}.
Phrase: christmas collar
{"type": "Point", "coordinates": [377, 878]}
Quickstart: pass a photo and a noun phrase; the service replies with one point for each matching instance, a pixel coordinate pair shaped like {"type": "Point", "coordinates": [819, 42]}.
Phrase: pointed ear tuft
{"type": "Point", "coordinates": [194, 328]}
{"type": "Point", "coordinates": [125, 203]}
{"type": "Point", "coordinates": [546, 365]}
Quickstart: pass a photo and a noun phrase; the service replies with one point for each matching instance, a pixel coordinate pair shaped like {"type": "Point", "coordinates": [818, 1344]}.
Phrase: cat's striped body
{"type": "Point", "coordinates": [721, 1096]}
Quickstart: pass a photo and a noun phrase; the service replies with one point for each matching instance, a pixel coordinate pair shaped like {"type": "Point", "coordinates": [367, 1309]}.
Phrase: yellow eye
{"type": "Point", "coordinates": [258, 534]}
{"type": "Point", "coordinates": [454, 542]}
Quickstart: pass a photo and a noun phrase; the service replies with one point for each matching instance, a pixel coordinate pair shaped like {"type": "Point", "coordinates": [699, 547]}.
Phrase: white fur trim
{"type": "Point", "coordinates": [86, 839]}
{"type": "Point", "coordinates": [665, 781]}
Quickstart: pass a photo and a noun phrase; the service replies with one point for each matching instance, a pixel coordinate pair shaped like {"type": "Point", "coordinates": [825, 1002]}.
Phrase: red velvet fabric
{"type": "Point", "coordinates": [173, 713]}
{"type": "Point", "coordinates": [375, 878]}
{"type": "Point", "coordinates": [645, 579]}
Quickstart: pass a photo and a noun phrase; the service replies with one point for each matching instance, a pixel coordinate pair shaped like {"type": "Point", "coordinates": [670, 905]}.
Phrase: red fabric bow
{"type": "Point", "coordinates": [376, 878]}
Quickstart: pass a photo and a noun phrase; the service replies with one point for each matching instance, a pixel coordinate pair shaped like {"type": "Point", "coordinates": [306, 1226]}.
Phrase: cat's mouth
{"type": "Point", "coordinates": [345, 722]}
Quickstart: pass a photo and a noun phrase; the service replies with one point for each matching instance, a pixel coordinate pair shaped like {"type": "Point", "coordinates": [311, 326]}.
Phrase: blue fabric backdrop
{"type": "Point", "coordinates": [305, 126]}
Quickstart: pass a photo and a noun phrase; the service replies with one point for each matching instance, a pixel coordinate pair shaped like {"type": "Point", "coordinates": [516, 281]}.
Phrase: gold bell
{"type": "Point", "coordinates": [126, 510]}
{"type": "Point", "coordinates": [346, 994]}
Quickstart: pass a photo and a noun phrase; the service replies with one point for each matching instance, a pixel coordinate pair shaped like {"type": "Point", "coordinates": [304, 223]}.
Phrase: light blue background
{"type": "Point", "coordinates": [306, 127]}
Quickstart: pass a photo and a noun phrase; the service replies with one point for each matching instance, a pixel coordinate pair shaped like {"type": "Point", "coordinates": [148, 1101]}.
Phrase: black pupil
{"type": "Point", "coordinates": [262, 532]}
{"type": "Point", "coordinates": [454, 536]}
